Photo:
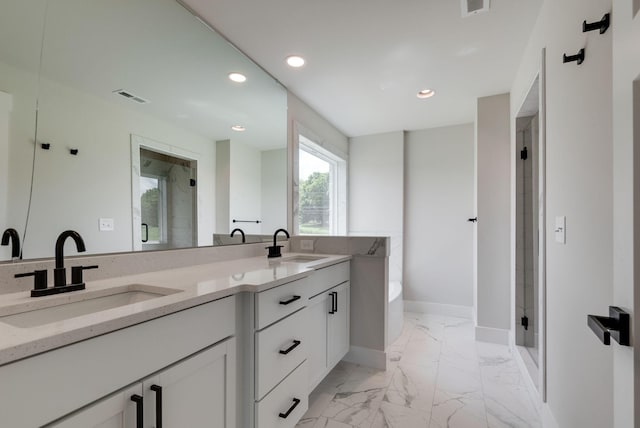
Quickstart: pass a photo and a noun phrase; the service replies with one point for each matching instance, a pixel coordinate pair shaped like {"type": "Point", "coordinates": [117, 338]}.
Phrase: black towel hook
{"type": "Point", "coordinates": [579, 57]}
{"type": "Point", "coordinates": [602, 25]}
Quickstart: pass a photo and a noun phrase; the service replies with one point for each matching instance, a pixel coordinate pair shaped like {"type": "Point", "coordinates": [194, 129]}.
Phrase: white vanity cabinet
{"type": "Point", "coordinates": [327, 323]}
{"type": "Point", "coordinates": [197, 392]}
{"type": "Point", "coordinates": [72, 380]}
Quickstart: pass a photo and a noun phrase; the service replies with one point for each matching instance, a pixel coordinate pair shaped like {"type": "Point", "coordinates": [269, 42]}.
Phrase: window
{"type": "Point", "coordinates": [153, 197]}
{"type": "Point", "coordinates": [320, 180]}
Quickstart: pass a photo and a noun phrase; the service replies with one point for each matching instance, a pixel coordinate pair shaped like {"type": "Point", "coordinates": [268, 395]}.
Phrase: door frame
{"type": "Point", "coordinates": [138, 142]}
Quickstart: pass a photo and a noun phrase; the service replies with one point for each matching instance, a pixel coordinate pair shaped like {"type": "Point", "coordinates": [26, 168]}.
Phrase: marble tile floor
{"type": "Point", "coordinates": [438, 376]}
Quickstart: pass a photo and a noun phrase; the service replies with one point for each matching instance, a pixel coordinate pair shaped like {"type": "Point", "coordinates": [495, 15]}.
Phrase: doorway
{"type": "Point", "coordinates": [527, 332]}
{"type": "Point", "coordinates": [167, 201]}
{"type": "Point", "coordinates": [529, 234]}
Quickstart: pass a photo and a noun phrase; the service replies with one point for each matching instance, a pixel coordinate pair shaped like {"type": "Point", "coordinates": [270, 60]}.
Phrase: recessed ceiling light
{"type": "Point", "coordinates": [238, 128]}
{"type": "Point", "coordinates": [237, 77]}
{"type": "Point", "coordinates": [295, 61]}
{"type": "Point", "coordinates": [426, 93]}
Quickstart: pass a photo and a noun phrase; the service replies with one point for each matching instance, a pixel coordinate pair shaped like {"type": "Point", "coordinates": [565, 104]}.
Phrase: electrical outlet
{"type": "Point", "coordinates": [106, 225]}
{"type": "Point", "coordinates": [306, 244]}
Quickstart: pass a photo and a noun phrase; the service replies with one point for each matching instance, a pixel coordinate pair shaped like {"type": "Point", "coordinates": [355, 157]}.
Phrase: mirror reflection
{"type": "Point", "coordinates": [137, 109]}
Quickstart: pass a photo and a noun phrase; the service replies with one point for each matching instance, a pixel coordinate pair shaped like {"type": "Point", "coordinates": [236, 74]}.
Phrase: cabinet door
{"type": "Point", "coordinates": [198, 392]}
{"type": "Point", "coordinates": [115, 411]}
{"type": "Point", "coordinates": [317, 311]}
{"type": "Point", "coordinates": [338, 324]}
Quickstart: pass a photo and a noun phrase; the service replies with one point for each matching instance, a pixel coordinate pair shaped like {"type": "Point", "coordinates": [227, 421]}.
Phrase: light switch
{"type": "Point", "coordinates": [561, 230]}
{"type": "Point", "coordinates": [306, 244]}
{"type": "Point", "coordinates": [106, 225]}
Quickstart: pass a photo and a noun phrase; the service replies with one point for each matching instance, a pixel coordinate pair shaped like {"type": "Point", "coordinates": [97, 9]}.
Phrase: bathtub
{"type": "Point", "coordinates": [396, 311]}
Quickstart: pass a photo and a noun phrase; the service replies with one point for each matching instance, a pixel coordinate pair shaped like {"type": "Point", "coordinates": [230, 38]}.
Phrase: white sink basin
{"type": "Point", "coordinates": [39, 311]}
{"type": "Point", "coordinates": [303, 259]}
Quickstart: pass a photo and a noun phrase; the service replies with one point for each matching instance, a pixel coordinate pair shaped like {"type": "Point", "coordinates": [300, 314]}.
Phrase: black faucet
{"type": "Point", "coordinates": [237, 229]}
{"type": "Point", "coordinates": [274, 251]}
{"type": "Point", "coordinates": [15, 242]}
{"type": "Point", "coordinates": [60, 273]}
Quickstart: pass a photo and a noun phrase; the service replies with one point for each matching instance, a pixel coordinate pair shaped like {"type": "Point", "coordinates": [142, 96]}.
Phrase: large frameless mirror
{"type": "Point", "coordinates": [143, 140]}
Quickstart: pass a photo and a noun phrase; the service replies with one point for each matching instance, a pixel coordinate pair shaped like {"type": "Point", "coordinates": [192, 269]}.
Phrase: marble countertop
{"type": "Point", "coordinates": [195, 285]}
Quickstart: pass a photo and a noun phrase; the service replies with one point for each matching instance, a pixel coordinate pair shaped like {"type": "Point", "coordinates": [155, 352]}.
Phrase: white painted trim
{"type": "Point", "coordinates": [548, 420]}
{"type": "Point", "coordinates": [492, 335]}
{"type": "Point", "coordinates": [438, 309]}
{"type": "Point", "coordinates": [367, 357]}
{"type": "Point", "coordinates": [535, 395]}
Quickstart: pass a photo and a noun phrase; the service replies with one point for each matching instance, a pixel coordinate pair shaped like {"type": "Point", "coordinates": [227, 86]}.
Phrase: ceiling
{"type": "Point", "coordinates": [367, 59]}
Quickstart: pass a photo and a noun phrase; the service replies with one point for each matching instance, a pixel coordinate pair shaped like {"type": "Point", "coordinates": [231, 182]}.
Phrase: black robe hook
{"type": "Point", "coordinates": [579, 57]}
{"type": "Point", "coordinates": [601, 25]}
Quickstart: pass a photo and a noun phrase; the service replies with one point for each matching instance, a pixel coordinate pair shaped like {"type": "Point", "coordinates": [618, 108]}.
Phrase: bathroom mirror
{"type": "Point", "coordinates": [21, 25]}
{"type": "Point", "coordinates": [135, 147]}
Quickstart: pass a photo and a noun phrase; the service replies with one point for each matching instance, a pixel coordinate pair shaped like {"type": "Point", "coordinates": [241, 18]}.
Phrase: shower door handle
{"type": "Point", "coordinates": [146, 232]}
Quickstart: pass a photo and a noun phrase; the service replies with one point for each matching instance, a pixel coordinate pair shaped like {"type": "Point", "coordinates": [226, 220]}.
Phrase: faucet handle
{"type": "Point", "coordinates": [39, 280]}
{"type": "Point", "coordinates": [274, 251]}
{"type": "Point", "coordinates": [76, 273]}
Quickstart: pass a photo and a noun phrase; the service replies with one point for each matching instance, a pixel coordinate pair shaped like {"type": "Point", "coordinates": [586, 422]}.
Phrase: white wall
{"type": "Point", "coordinates": [22, 87]}
{"type": "Point", "coordinates": [493, 228]}
{"type": "Point", "coordinates": [438, 257]}
{"type": "Point", "coordinates": [244, 187]}
{"type": "Point", "coordinates": [626, 211]}
{"type": "Point", "coordinates": [376, 197]}
{"type": "Point", "coordinates": [579, 186]}
{"type": "Point", "coordinates": [73, 192]}
{"type": "Point", "coordinates": [274, 195]}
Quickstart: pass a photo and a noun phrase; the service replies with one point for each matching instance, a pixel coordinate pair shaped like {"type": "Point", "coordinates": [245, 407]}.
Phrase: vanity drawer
{"type": "Point", "coordinates": [280, 348]}
{"type": "Point", "coordinates": [326, 278]}
{"type": "Point", "coordinates": [278, 302]}
{"type": "Point", "coordinates": [281, 401]}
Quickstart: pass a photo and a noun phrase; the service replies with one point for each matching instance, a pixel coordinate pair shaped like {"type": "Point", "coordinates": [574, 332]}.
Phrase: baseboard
{"type": "Point", "coordinates": [526, 375]}
{"type": "Point", "coordinates": [367, 357]}
{"type": "Point", "coordinates": [438, 309]}
{"type": "Point", "coordinates": [548, 421]}
{"type": "Point", "coordinates": [492, 335]}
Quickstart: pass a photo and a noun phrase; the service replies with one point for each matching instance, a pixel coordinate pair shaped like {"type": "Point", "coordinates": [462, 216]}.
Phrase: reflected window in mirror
{"type": "Point", "coordinates": [321, 184]}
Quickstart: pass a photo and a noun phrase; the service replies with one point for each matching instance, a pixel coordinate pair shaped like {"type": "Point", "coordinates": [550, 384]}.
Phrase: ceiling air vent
{"type": "Point", "coordinates": [130, 96]}
{"type": "Point", "coordinates": [473, 7]}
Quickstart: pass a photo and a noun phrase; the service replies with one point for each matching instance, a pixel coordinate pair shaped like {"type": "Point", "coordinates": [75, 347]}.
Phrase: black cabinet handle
{"type": "Point", "coordinates": [146, 232]}
{"type": "Point", "coordinates": [291, 300]}
{"type": "Point", "coordinates": [295, 404]}
{"type": "Point", "coordinates": [286, 351]}
{"type": "Point", "coordinates": [139, 410]}
{"type": "Point", "coordinates": [333, 303]}
{"type": "Point", "coordinates": [336, 308]}
{"type": "Point", "coordinates": [158, 390]}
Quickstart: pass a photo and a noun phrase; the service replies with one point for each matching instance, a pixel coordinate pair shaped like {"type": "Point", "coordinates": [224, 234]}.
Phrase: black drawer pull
{"type": "Point", "coordinates": [139, 410]}
{"type": "Point", "coordinates": [291, 300]}
{"type": "Point", "coordinates": [289, 349]}
{"type": "Point", "coordinates": [295, 404]}
{"type": "Point", "coordinates": [336, 294]}
{"type": "Point", "coordinates": [158, 390]}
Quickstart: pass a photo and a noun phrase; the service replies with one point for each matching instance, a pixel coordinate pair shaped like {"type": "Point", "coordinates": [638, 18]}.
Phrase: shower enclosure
{"type": "Point", "coordinates": [527, 297]}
